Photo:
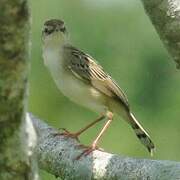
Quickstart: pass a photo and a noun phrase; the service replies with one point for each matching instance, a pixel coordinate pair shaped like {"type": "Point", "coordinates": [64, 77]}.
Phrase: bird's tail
{"type": "Point", "coordinates": [142, 135]}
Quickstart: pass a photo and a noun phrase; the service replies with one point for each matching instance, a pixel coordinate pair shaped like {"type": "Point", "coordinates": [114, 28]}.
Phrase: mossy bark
{"type": "Point", "coordinates": [58, 156]}
{"type": "Point", "coordinates": [165, 16]}
{"type": "Point", "coordinates": [14, 57]}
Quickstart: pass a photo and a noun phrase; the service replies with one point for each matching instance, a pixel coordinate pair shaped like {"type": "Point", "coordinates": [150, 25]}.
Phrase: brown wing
{"type": "Point", "coordinates": [87, 69]}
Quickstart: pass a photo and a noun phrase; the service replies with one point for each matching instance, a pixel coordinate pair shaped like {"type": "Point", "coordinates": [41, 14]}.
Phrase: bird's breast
{"type": "Point", "coordinates": [71, 86]}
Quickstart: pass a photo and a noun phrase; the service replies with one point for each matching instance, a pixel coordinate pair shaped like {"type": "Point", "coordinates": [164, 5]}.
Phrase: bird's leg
{"type": "Point", "coordinates": [75, 135]}
{"type": "Point", "coordinates": [90, 125]}
{"type": "Point", "coordinates": [93, 147]}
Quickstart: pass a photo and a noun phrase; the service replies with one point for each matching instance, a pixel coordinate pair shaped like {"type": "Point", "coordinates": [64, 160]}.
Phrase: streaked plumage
{"type": "Point", "coordinates": [83, 80]}
{"type": "Point", "coordinates": [89, 70]}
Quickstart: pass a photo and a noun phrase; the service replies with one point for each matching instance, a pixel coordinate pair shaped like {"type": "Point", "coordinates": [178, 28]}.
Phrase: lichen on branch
{"type": "Point", "coordinates": [165, 16]}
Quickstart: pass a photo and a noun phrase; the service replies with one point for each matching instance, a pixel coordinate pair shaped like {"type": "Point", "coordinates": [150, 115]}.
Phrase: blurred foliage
{"type": "Point", "coordinates": [120, 36]}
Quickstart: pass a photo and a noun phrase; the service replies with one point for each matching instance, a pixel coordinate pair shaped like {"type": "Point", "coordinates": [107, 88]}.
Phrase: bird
{"type": "Point", "coordinates": [83, 80]}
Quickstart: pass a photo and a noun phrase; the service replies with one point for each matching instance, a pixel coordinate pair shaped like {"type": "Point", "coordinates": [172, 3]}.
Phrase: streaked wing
{"type": "Point", "coordinates": [85, 67]}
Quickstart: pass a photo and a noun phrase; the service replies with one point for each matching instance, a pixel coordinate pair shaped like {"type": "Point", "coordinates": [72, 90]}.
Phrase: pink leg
{"type": "Point", "coordinates": [75, 135]}
{"type": "Point", "coordinates": [94, 144]}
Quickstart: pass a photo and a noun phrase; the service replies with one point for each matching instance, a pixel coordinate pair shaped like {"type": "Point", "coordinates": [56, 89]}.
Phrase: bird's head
{"type": "Point", "coordinates": [54, 31]}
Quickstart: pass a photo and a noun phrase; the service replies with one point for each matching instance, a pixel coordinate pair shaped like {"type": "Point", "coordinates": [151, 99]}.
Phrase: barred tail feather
{"type": "Point", "coordinates": [141, 134]}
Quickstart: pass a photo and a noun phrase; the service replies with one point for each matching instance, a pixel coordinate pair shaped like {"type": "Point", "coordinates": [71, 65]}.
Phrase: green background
{"type": "Point", "coordinates": [121, 37]}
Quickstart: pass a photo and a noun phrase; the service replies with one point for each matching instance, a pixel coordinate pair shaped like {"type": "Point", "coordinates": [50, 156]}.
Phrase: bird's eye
{"type": "Point", "coordinates": [46, 30]}
{"type": "Point", "coordinates": [63, 29]}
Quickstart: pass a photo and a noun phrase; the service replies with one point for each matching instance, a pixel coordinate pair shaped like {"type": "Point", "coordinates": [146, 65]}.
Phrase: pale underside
{"type": "Point", "coordinates": [98, 93]}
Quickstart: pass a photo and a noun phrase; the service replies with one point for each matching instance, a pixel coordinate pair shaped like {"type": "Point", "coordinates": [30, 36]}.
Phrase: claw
{"type": "Point", "coordinates": [67, 134]}
{"type": "Point", "coordinates": [88, 150]}
{"type": "Point", "coordinates": [85, 152]}
{"type": "Point", "coordinates": [63, 129]}
{"type": "Point", "coordinates": [82, 146]}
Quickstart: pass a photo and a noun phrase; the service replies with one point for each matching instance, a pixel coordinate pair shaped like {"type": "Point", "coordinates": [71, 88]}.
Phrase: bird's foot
{"type": "Point", "coordinates": [67, 134]}
{"type": "Point", "coordinates": [87, 150]}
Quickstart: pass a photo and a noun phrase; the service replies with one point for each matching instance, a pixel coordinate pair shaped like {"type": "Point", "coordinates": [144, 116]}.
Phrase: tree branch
{"type": "Point", "coordinates": [17, 136]}
{"type": "Point", "coordinates": [165, 16]}
{"type": "Point", "coordinates": [56, 154]}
